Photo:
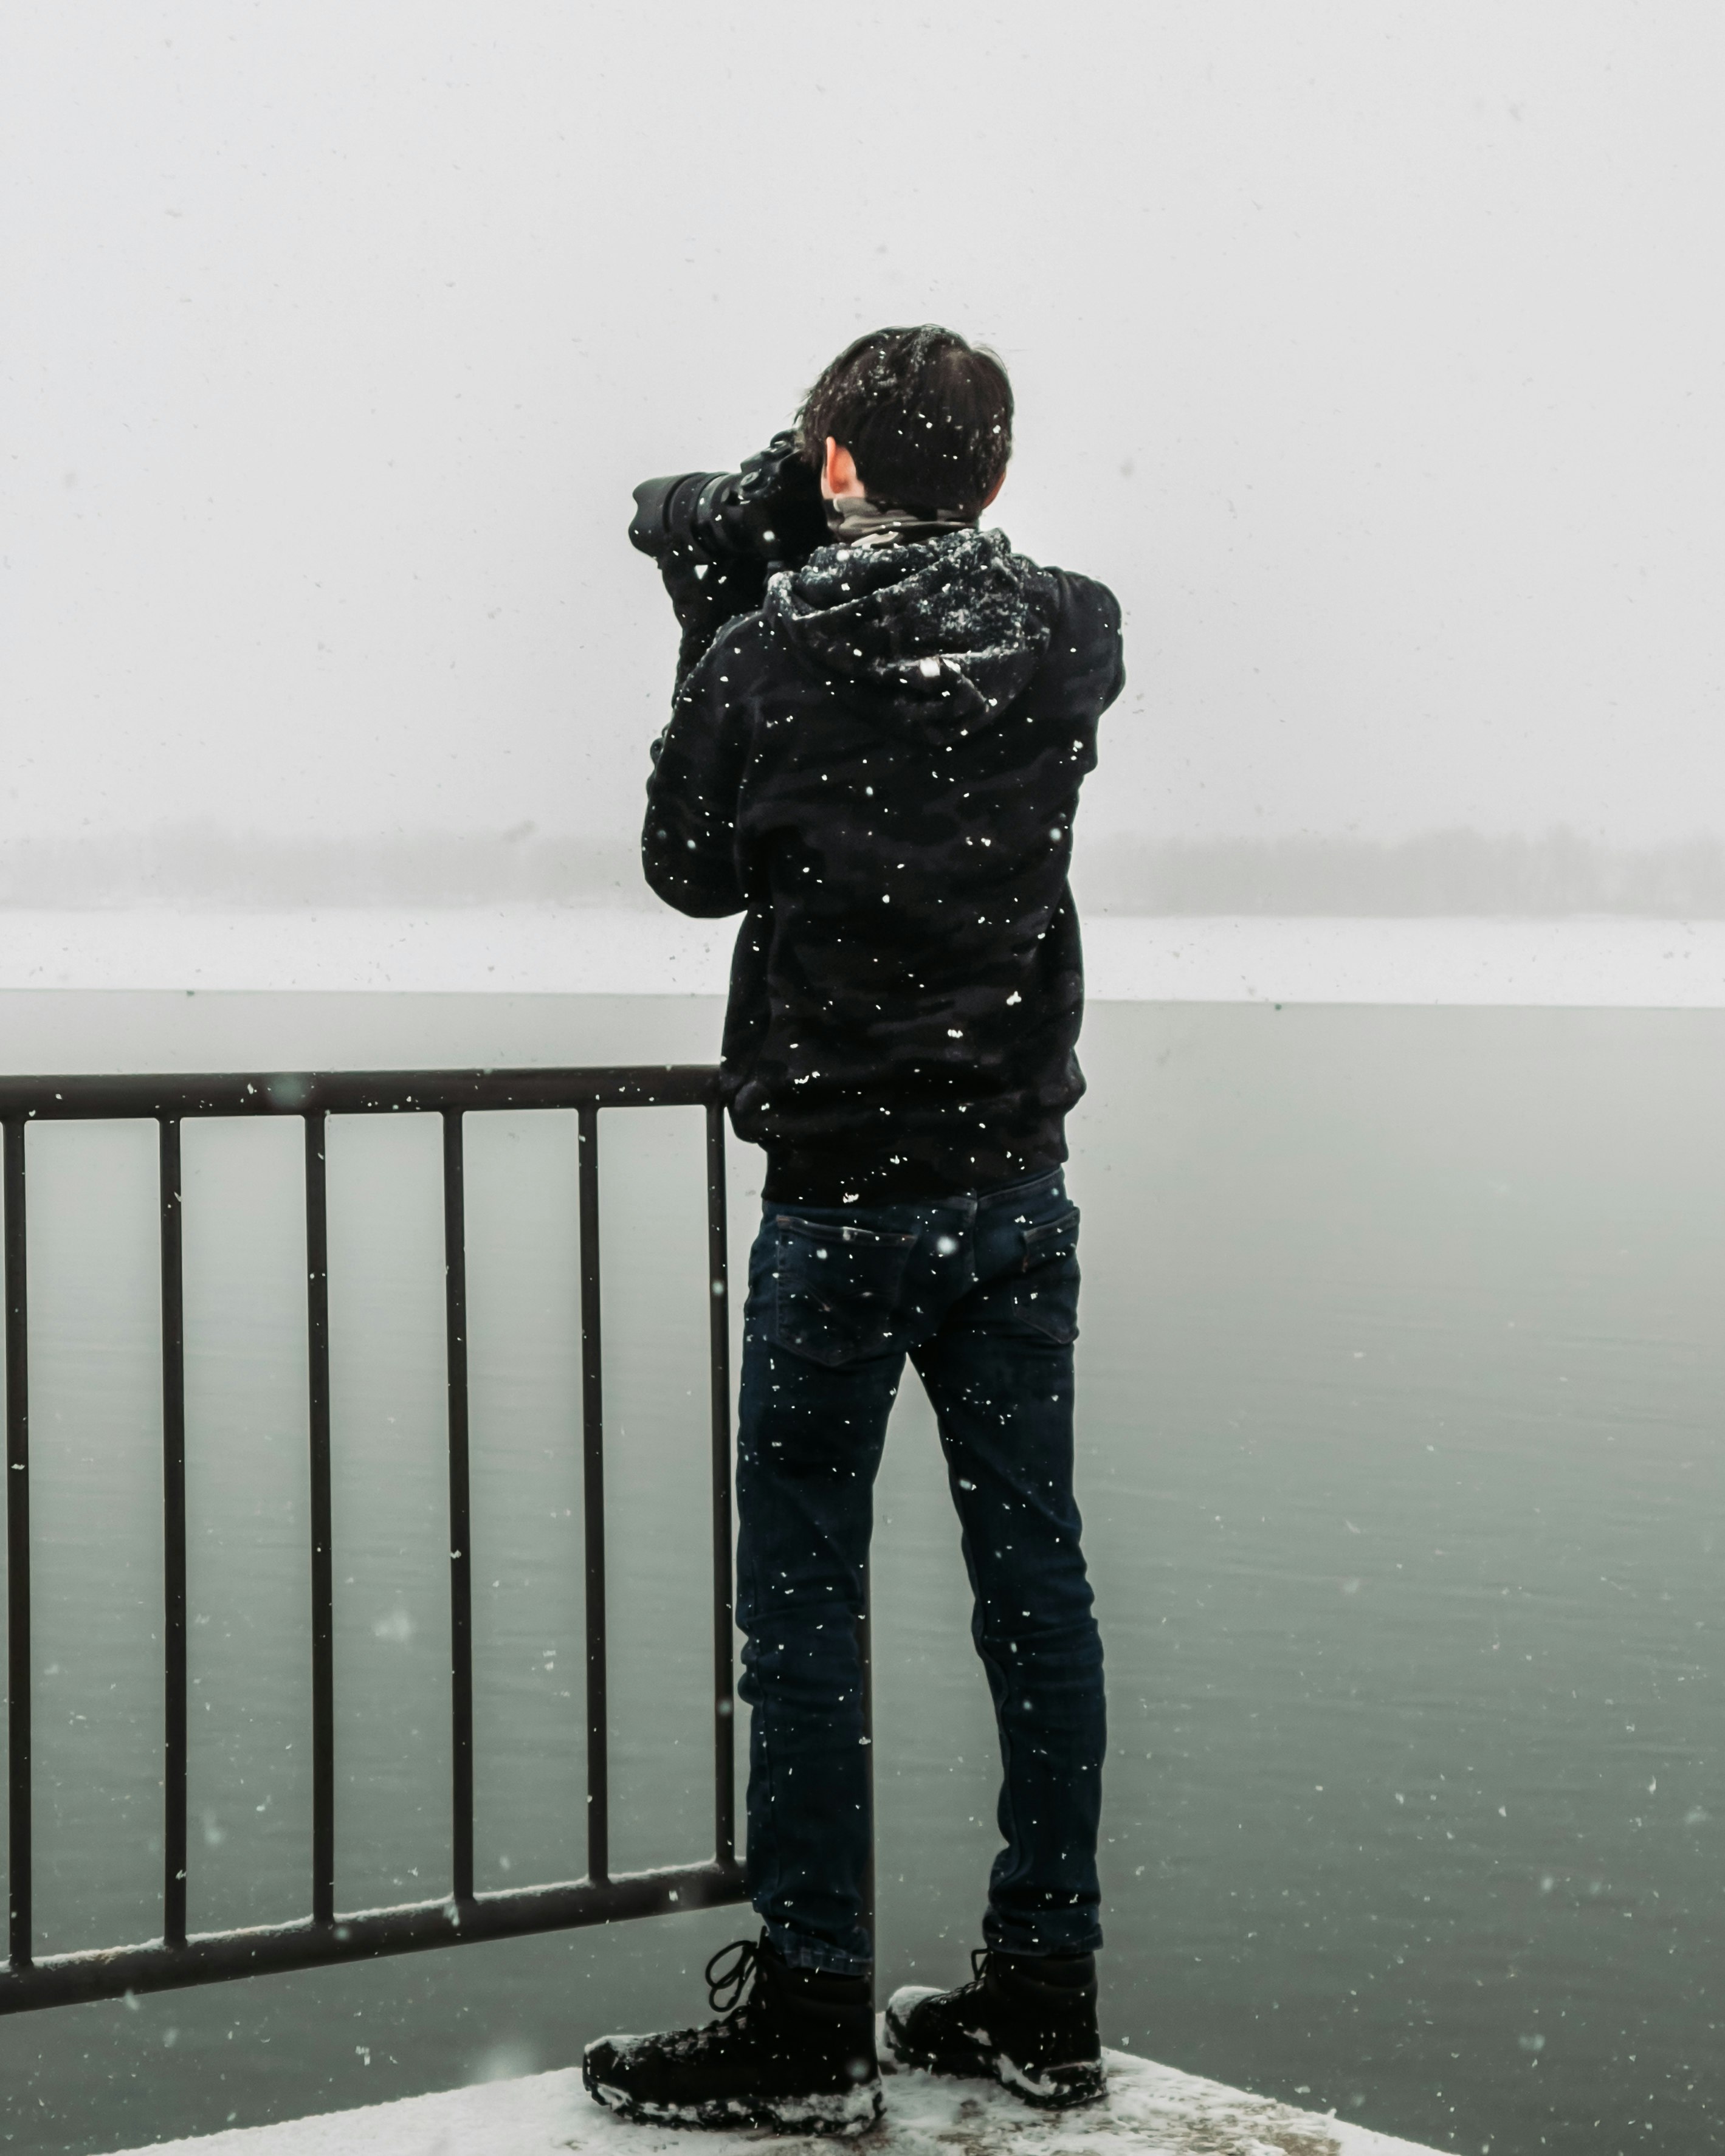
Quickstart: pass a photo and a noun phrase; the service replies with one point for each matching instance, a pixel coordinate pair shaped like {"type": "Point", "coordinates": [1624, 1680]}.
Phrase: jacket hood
{"type": "Point", "coordinates": [938, 635]}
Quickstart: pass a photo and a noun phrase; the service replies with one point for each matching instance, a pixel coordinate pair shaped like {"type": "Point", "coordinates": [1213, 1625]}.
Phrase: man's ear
{"type": "Point", "coordinates": [988, 498]}
{"type": "Point", "coordinates": [838, 477]}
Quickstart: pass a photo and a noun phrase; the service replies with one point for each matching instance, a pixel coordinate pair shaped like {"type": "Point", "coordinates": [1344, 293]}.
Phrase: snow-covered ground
{"type": "Point", "coordinates": [1150, 2111]}
{"type": "Point", "coordinates": [636, 951]}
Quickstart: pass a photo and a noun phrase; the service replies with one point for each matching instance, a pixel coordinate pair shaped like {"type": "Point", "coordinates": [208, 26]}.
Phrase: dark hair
{"type": "Point", "coordinates": [927, 418]}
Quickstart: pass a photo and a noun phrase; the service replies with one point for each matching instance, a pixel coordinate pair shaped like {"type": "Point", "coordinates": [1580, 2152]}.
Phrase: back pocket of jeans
{"type": "Point", "coordinates": [836, 1291]}
{"type": "Point", "coordinates": [1046, 1290]}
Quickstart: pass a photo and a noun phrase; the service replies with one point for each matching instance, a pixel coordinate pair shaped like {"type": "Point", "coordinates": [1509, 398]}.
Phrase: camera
{"type": "Point", "coordinates": [770, 512]}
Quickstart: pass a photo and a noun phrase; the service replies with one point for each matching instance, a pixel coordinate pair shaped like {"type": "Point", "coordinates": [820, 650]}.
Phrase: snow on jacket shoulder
{"type": "Point", "coordinates": [879, 768]}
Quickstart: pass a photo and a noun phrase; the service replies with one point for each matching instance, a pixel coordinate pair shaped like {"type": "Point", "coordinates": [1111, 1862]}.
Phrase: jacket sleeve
{"type": "Point", "coordinates": [688, 841]}
{"type": "Point", "coordinates": [707, 595]}
{"type": "Point", "coordinates": [1089, 628]}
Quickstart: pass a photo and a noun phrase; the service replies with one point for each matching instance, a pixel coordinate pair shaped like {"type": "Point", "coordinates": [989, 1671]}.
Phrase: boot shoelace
{"type": "Point", "coordinates": [726, 1987]}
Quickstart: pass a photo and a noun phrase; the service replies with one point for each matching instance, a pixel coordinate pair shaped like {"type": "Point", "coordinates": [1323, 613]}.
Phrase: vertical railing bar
{"type": "Point", "coordinates": [18, 1550]}
{"type": "Point", "coordinates": [592, 1501]}
{"type": "Point", "coordinates": [460, 1512]}
{"type": "Point", "coordinates": [865, 1655]}
{"type": "Point", "coordinates": [323, 1621]}
{"type": "Point", "coordinates": [718, 1356]}
{"type": "Point", "coordinates": [173, 1540]}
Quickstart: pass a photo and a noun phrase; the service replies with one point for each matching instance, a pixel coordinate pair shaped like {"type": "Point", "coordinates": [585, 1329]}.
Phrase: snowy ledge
{"type": "Point", "coordinates": [1150, 2111]}
{"type": "Point", "coordinates": [638, 950]}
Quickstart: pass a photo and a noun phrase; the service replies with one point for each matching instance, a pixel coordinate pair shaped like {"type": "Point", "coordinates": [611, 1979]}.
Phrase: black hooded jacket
{"type": "Point", "coordinates": [880, 767]}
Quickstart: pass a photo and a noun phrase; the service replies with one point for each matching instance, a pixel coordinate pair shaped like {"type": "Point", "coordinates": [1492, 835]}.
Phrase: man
{"type": "Point", "coordinates": [877, 764]}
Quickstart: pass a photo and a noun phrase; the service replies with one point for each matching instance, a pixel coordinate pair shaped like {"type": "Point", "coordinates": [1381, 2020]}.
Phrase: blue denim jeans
{"type": "Point", "coordinates": [981, 1293]}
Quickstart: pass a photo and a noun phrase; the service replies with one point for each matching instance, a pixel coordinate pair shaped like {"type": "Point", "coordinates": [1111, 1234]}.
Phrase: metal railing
{"type": "Point", "coordinates": [326, 1935]}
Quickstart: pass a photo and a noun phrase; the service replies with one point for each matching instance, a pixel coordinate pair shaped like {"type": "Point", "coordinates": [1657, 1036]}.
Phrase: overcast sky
{"type": "Point", "coordinates": [1372, 352]}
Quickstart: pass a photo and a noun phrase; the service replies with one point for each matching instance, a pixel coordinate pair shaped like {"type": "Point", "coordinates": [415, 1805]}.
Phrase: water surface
{"type": "Point", "coordinates": [1401, 1468]}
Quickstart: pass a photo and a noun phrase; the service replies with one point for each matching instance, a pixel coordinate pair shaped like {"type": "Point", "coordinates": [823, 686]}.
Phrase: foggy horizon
{"type": "Point", "coordinates": [1433, 873]}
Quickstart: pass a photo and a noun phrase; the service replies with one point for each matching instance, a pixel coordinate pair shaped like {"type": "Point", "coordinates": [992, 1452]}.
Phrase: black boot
{"type": "Point", "coordinates": [793, 2048]}
{"type": "Point", "coordinates": [1027, 2021]}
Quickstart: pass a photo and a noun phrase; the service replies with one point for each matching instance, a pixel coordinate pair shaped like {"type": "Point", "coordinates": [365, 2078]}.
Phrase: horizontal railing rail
{"type": "Point", "coordinates": [356, 1093]}
{"type": "Point", "coordinates": [326, 1935]}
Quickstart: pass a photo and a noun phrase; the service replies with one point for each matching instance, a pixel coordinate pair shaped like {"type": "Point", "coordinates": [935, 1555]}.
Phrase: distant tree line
{"type": "Point", "coordinates": [1433, 873]}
